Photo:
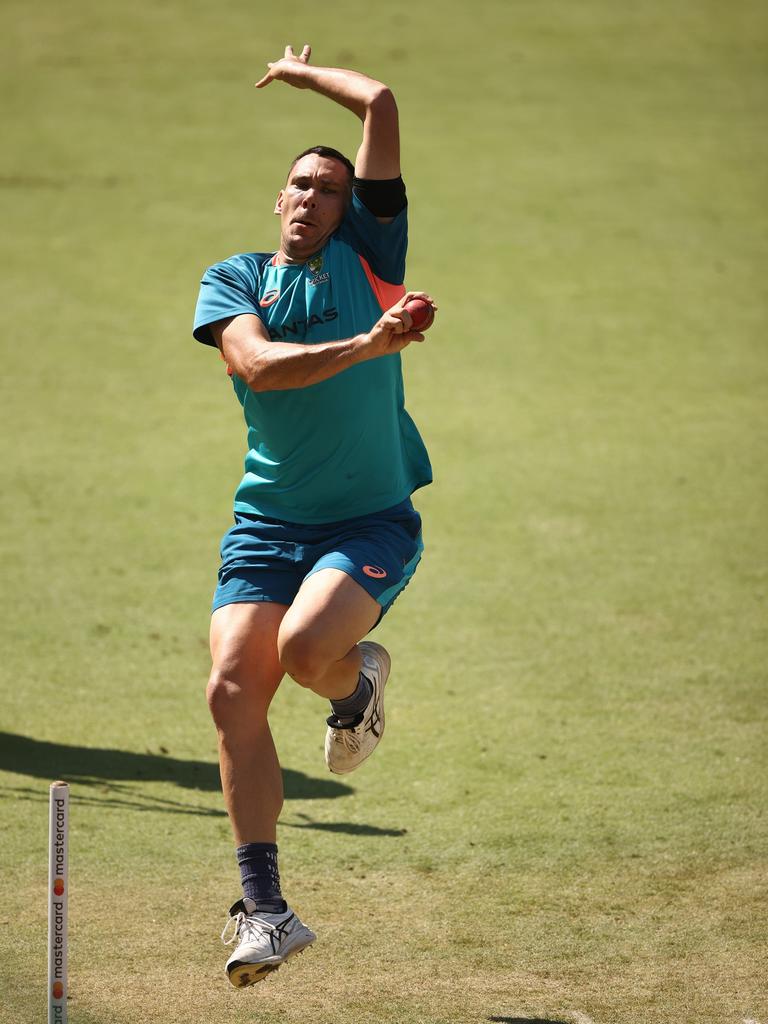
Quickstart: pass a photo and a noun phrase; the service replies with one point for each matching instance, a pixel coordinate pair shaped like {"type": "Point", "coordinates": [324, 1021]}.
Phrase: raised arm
{"type": "Point", "coordinates": [379, 154]}
{"type": "Point", "coordinates": [266, 365]}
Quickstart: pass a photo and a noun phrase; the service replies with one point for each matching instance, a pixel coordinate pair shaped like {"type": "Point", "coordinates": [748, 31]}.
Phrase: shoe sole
{"type": "Point", "coordinates": [243, 974]}
{"type": "Point", "coordinates": [383, 654]}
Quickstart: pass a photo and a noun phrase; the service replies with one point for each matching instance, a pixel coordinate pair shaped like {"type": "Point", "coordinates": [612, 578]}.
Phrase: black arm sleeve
{"type": "Point", "coordinates": [384, 198]}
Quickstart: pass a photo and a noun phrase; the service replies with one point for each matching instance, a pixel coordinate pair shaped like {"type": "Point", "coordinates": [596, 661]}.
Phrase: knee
{"type": "Point", "coordinates": [301, 659]}
{"type": "Point", "coordinates": [223, 696]}
{"type": "Point", "coordinates": [231, 703]}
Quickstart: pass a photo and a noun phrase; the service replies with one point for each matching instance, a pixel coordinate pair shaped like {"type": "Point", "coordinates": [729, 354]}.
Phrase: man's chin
{"type": "Point", "coordinates": [300, 248]}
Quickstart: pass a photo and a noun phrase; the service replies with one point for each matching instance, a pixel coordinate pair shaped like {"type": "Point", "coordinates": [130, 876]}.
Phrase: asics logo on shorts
{"type": "Point", "coordinates": [375, 572]}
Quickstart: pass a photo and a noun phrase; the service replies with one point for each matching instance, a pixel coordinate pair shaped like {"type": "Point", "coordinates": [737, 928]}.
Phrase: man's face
{"type": "Point", "coordinates": [312, 205]}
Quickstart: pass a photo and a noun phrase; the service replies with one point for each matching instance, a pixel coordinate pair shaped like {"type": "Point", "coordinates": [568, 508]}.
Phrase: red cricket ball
{"type": "Point", "coordinates": [422, 314]}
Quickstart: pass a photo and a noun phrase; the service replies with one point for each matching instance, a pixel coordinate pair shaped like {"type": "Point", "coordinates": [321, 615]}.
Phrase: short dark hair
{"type": "Point", "coordinates": [329, 153]}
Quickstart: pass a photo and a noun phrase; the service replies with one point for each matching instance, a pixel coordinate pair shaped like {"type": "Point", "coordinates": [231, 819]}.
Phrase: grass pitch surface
{"type": "Point", "coordinates": [566, 820]}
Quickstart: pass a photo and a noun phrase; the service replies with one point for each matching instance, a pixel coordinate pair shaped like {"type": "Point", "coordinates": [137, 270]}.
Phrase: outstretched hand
{"type": "Point", "coordinates": [394, 331]}
{"type": "Point", "coordinates": [285, 69]}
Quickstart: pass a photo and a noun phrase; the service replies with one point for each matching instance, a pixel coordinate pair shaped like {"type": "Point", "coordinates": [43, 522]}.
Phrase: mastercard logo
{"type": "Point", "coordinates": [58, 887]}
{"type": "Point", "coordinates": [58, 990]}
{"type": "Point", "coordinates": [375, 572]}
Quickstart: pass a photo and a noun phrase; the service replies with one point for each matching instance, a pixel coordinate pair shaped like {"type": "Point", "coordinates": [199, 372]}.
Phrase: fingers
{"type": "Point", "coordinates": [419, 295]}
{"type": "Point", "coordinates": [408, 321]}
{"type": "Point", "coordinates": [399, 322]}
{"type": "Point", "coordinates": [270, 76]}
{"type": "Point", "coordinates": [407, 318]}
{"type": "Point", "coordinates": [415, 295]}
{"type": "Point", "coordinates": [396, 319]}
{"type": "Point", "coordinates": [407, 337]}
{"type": "Point", "coordinates": [400, 313]}
{"type": "Point", "coordinates": [392, 333]}
{"type": "Point", "coordinates": [304, 56]}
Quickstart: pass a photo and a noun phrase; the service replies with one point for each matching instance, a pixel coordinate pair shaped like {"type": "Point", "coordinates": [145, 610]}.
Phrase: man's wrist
{"type": "Point", "coordinates": [297, 74]}
{"type": "Point", "coordinates": [365, 347]}
{"type": "Point", "coordinates": [362, 346]}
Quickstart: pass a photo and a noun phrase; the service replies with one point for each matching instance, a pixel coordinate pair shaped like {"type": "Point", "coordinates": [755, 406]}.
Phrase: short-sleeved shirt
{"type": "Point", "coordinates": [344, 447]}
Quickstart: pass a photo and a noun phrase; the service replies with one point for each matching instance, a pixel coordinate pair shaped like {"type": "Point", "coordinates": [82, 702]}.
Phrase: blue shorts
{"type": "Point", "coordinates": [268, 560]}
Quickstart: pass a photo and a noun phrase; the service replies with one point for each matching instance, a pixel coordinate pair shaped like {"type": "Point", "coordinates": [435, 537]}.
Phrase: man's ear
{"type": "Point", "coordinates": [279, 202]}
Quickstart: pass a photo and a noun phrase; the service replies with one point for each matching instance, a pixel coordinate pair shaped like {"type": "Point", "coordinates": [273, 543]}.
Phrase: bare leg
{"type": "Point", "coordinates": [245, 676]}
{"type": "Point", "coordinates": [317, 639]}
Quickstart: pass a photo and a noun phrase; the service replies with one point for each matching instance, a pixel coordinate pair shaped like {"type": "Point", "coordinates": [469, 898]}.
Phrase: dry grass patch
{"type": "Point", "coordinates": [409, 949]}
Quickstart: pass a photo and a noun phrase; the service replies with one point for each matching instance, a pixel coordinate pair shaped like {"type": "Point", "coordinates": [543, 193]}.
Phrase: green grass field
{"type": "Point", "coordinates": [566, 822]}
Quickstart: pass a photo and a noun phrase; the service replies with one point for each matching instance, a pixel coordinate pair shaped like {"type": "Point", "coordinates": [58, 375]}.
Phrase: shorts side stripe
{"type": "Point", "coordinates": [388, 596]}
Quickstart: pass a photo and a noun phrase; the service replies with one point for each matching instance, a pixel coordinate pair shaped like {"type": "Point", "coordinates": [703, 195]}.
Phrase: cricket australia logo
{"type": "Point", "coordinates": [315, 266]}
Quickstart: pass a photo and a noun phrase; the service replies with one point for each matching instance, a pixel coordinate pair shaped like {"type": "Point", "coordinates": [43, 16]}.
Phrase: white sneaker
{"type": "Point", "coordinates": [347, 746]}
{"type": "Point", "coordinates": [264, 941]}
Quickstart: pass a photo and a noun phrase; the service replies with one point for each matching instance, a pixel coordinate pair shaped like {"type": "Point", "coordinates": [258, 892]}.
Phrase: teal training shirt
{"type": "Point", "coordinates": [344, 447]}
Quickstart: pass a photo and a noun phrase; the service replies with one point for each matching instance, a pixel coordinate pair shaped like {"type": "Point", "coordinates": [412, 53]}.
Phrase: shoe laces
{"type": "Point", "coordinates": [348, 735]}
{"type": "Point", "coordinates": [245, 926]}
{"type": "Point", "coordinates": [350, 738]}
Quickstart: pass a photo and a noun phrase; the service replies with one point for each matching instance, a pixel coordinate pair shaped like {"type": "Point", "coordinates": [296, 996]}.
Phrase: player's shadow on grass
{"type": "Point", "coordinates": [350, 828]}
{"type": "Point", "coordinates": [94, 765]}
{"type": "Point", "coordinates": [104, 775]}
{"type": "Point", "coordinates": [525, 1020]}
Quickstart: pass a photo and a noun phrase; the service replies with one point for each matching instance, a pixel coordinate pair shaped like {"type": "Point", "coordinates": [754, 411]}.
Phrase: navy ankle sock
{"type": "Point", "coordinates": [348, 708]}
{"type": "Point", "coordinates": [260, 876]}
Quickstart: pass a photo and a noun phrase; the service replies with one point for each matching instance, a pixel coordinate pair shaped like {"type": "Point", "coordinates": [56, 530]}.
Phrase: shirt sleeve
{"type": "Point", "coordinates": [225, 290]}
{"type": "Point", "coordinates": [383, 245]}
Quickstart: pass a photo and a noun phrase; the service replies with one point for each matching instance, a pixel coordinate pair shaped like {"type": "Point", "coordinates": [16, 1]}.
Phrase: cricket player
{"type": "Point", "coordinates": [325, 534]}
